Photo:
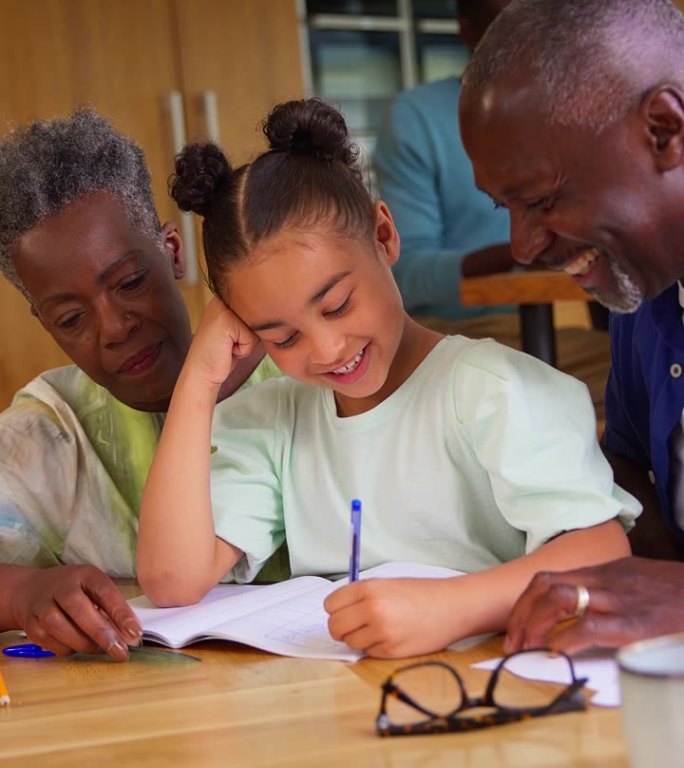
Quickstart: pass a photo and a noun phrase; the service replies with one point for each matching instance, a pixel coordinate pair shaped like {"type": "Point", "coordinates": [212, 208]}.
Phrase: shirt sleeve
{"type": "Point", "coordinates": [245, 484]}
{"type": "Point", "coordinates": [533, 429]}
{"type": "Point", "coordinates": [34, 507]}
{"type": "Point", "coordinates": [266, 369]}
{"type": "Point", "coordinates": [20, 542]}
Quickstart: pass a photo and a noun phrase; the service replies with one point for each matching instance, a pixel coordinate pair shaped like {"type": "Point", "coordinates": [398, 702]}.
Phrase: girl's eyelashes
{"type": "Point", "coordinates": [343, 307]}
{"type": "Point", "coordinates": [288, 342]}
{"type": "Point", "coordinates": [338, 311]}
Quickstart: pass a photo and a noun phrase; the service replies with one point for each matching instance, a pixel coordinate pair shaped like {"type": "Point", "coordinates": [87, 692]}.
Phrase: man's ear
{"type": "Point", "coordinates": [173, 248]}
{"type": "Point", "coordinates": [386, 234]}
{"type": "Point", "coordinates": [663, 112]}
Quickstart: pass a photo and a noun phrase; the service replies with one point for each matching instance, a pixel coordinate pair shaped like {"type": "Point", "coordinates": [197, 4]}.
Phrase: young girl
{"type": "Point", "coordinates": [466, 454]}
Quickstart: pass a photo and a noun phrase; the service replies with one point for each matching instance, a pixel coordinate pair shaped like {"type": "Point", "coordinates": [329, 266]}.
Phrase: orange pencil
{"type": "Point", "coordinates": [4, 693]}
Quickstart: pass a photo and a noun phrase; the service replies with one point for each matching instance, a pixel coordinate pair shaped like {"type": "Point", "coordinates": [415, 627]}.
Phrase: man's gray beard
{"type": "Point", "coordinates": [628, 297]}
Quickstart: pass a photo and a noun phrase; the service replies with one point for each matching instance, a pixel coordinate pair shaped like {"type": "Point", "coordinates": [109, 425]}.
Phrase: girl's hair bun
{"type": "Point", "coordinates": [201, 170]}
{"type": "Point", "coordinates": [309, 127]}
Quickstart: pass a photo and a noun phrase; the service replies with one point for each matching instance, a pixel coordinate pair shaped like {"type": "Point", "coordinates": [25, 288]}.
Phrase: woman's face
{"type": "Point", "coordinates": [327, 308]}
{"type": "Point", "coordinates": [108, 296]}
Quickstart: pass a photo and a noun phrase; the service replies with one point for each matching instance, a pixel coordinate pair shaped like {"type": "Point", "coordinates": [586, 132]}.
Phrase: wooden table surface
{"type": "Point", "coordinates": [534, 291]}
{"type": "Point", "coordinates": [241, 707]}
{"type": "Point", "coordinates": [541, 286]}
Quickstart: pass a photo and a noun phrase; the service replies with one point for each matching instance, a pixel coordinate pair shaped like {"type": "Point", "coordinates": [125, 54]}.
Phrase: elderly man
{"type": "Point", "coordinates": [572, 113]}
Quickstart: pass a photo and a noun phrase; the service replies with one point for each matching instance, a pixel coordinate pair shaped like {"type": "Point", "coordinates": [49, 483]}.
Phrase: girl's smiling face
{"type": "Point", "coordinates": [327, 308]}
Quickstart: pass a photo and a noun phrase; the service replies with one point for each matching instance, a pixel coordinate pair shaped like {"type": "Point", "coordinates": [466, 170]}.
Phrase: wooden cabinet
{"type": "Point", "coordinates": [126, 58]}
{"type": "Point", "coordinates": [260, 66]}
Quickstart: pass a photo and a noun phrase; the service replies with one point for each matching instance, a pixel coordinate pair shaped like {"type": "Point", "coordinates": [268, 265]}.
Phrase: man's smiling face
{"type": "Point", "coordinates": [586, 202]}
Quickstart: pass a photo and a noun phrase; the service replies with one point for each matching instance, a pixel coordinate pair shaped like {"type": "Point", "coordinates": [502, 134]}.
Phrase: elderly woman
{"type": "Point", "coordinates": [81, 239]}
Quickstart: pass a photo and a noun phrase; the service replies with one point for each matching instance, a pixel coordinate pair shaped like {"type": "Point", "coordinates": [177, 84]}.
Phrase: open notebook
{"type": "Point", "coordinates": [287, 618]}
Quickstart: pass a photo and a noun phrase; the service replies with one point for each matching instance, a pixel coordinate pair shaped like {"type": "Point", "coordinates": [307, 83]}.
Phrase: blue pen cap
{"type": "Point", "coordinates": [356, 505]}
{"type": "Point", "coordinates": [27, 651]}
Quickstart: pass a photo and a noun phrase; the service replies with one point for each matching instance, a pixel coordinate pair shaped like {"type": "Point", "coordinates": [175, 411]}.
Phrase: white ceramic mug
{"type": "Point", "coordinates": [652, 685]}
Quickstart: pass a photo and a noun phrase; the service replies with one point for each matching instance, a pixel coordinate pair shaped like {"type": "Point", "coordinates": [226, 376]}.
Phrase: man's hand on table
{"type": "Point", "coordinates": [629, 599]}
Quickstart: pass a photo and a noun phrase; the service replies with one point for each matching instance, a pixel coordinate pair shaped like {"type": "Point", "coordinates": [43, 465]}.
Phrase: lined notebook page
{"type": "Point", "coordinates": [287, 618]}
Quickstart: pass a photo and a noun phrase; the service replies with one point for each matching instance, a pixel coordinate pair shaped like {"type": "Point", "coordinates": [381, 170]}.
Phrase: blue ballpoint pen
{"type": "Point", "coordinates": [356, 540]}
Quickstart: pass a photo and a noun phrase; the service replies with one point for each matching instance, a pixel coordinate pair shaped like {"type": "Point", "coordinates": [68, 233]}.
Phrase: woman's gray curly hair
{"type": "Point", "coordinates": [48, 164]}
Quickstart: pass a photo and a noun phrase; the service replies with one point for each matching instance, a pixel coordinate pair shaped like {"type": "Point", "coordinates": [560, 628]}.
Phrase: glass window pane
{"type": "Point", "coordinates": [359, 71]}
{"type": "Point", "coordinates": [440, 56]}
{"type": "Point", "coordinates": [353, 7]}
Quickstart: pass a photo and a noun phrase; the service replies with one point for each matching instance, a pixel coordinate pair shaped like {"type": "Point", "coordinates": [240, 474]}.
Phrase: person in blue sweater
{"type": "Point", "coordinates": [448, 227]}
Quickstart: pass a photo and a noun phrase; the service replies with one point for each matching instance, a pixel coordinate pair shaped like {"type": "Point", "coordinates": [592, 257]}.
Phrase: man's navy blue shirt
{"type": "Point", "coordinates": [645, 392]}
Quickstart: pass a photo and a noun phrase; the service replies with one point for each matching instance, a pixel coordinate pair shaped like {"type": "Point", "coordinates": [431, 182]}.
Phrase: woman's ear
{"type": "Point", "coordinates": [662, 109]}
{"type": "Point", "coordinates": [386, 234]}
{"type": "Point", "coordinates": [173, 248]}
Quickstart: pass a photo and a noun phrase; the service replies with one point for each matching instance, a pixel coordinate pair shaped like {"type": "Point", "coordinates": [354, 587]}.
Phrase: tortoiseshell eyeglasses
{"type": "Point", "coordinates": [430, 697]}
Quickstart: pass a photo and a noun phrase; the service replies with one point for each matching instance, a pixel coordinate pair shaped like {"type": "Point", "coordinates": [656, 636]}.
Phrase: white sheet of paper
{"type": "Point", "coordinates": [600, 670]}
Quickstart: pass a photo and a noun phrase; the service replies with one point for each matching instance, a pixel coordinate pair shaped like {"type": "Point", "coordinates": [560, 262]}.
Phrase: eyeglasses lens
{"type": "Point", "coordinates": [512, 690]}
{"type": "Point", "coordinates": [432, 687]}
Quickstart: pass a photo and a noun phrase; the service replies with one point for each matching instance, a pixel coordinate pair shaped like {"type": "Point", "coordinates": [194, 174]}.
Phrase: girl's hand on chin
{"type": "Point", "coordinates": [221, 339]}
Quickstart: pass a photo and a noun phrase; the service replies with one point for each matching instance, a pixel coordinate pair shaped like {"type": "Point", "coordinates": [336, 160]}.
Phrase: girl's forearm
{"type": "Point", "coordinates": [396, 618]}
{"type": "Point", "coordinates": [179, 557]}
{"type": "Point", "coordinates": [482, 602]}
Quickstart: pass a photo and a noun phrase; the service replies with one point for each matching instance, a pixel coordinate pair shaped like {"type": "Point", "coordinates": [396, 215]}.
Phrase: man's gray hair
{"type": "Point", "coordinates": [46, 165]}
{"type": "Point", "coordinates": [590, 60]}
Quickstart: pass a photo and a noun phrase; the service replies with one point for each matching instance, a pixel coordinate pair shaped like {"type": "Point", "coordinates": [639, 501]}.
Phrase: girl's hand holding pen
{"type": "Point", "coordinates": [380, 616]}
{"type": "Point", "coordinates": [73, 608]}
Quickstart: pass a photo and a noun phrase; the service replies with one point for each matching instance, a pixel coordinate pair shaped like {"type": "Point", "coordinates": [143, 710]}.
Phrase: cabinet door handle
{"type": "Point", "coordinates": [177, 112]}
{"type": "Point", "coordinates": [209, 106]}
